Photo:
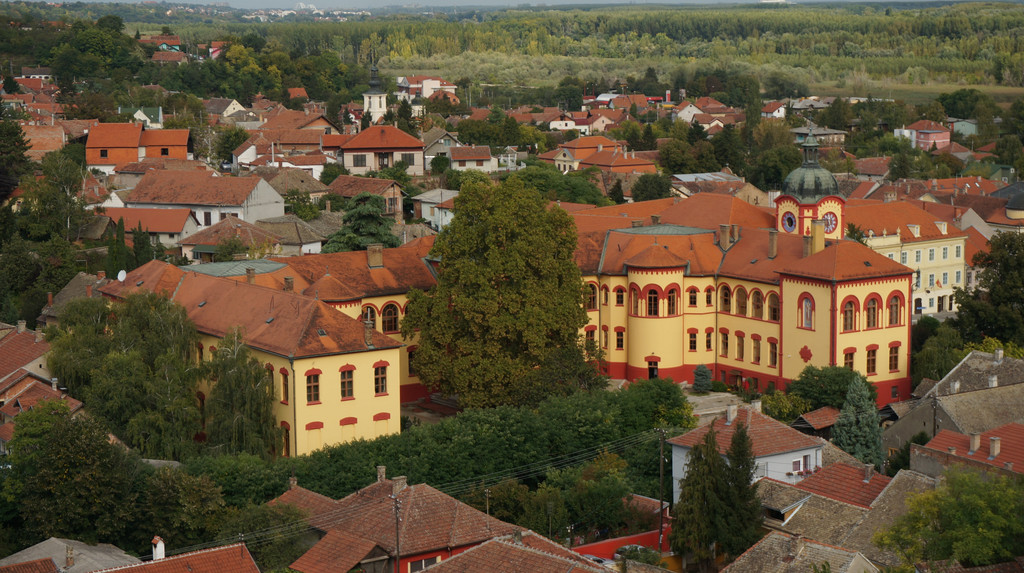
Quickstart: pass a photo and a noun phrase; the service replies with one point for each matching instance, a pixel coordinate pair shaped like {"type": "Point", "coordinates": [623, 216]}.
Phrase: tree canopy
{"type": "Point", "coordinates": [364, 225]}
{"type": "Point", "coordinates": [508, 295]}
{"type": "Point", "coordinates": [994, 308]}
{"type": "Point", "coordinates": [858, 431]}
{"type": "Point", "coordinates": [826, 385]}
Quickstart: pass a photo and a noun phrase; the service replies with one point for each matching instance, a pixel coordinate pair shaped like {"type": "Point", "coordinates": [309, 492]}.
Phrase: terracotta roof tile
{"type": "Point", "coordinates": [43, 139]}
{"type": "Point", "coordinates": [152, 220]}
{"type": "Point", "coordinates": [291, 119]}
{"type": "Point", "coordinates": [1011, 448]}
{"type": "Point", "coordinates": [177, 137]}
{"type": "Point", "coordinates": [769, 436]}
{"type": "Point", "coordinates": [38, 566]}
{"type": "Point", "coordinates": [228, 559]}
{"type": "Point", "coordinates": [844, 482]}
{"type": "Point", "coordinates": [845, 260]}
{"type": "Point", "coordinates": [18, 349]}
{"type": "Point", "coordinates": [229, 227]}
{"type": "Point", "coordinates": [191, 188]}
{"type": "Point", "coordinates": [336, 551]}
{"type": "Point", "coordinates": [506, 554]}
{"type": "Point", "coordinates": [114, 135]}
{"type": "Point", "coordinates": [382, 137]}
{"type": "Point", "coordinates": [774, 553]}
{"type": "Point", "coordinates": [470, 153]}
{"type": "Point", "coordinates": [709, 210]}
{"type": "Point", "coordinates": [821, 418]}
{"type": "Point", "coordinates": [350, 185]}
{"type": "Point", "coordinates": [31, 394]}
{"type": "Point", "coordinates": [170, 56]}
{"type": "Point", "coordinates": [403, 269]}
{"type": "Point", "coordinates": [887, 218]}
{"type": "Point", "coordinates": [164, 164]}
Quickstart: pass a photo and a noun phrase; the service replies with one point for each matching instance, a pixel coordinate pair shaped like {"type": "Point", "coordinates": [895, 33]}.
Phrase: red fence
{"type": "Point", "coordinates": [606, 548]}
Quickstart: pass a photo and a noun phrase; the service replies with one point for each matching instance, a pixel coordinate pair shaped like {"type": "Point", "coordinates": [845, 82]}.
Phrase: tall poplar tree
{"type": "Point", "coordinates": [858, 431]}
{"type": "Point", "coordinates": [701, 514]}
{"type": "Point", "coordinates": [508, 295]}
{"type": "Point", "coordinates": [744, 507]}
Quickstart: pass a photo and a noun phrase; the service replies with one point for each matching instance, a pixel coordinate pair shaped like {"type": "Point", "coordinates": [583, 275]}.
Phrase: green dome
{"type": "Point", "coordinates": [810, 182]}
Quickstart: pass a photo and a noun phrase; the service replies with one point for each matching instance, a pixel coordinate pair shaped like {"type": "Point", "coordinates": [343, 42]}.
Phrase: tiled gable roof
{"type": "Point", "coordinates": [656, 256]}
{"type": "Point", "coordinates": [927, 125]}
{"type": "Point", "coordinates": [1011, 446]}
{"type": "Point", "coordinates": [178, 137]}
{"type": "Point", "coordinates": [845, 260]}
{"type": "Point", "coordinates": [351, 185]}
{"type": "Point", "coordinates": [152, 220]}
{"type": "Point", "coordinates": [696, 248]}
{"type": "Point", "coordinates": [403, 269]}
{"type": "Point", "coordinates": [191, 188]}
{"type": "Point", "coordinates": [708, 210]}
{"type": "Point", "coordinates": [31, 394]}
{"type": "Point", "coordinates": [114, 135]}
{"type": "Point", "coordinates": [278, 322]}
{"type": "Point", "coordinates": [77, 287]}
{"type": "Point", "coordinates": [290, 230]}
{"type": "Point", "coordinates": [337, 551]}
{"type": "Point", "coordinates": [37, 566]}
{"type": "Point", "coordinates": [229, 227]}
{"type": "Point", "coordinates": [782, 553]}
{"type": "Point", "coordinates": [228, 559]}
{"type": "Point", "coordinates": [18, 349]}
{"type": "Point", "coordinates": [767, 435]}
{"type": "Point", "coordinates": [470, 153]}
{"type": "Point", "coordinates": [508, 554]}
{"type": "Point", "coordinates": [88, 558]}
{"type": "Point", "coordinates": [382, 137]}
{"type": "Point", "coordinates": [286, 180]}
{"type": "Point", "coordinates": [43, 139]}
{"type": "Point", "coordinates": [162, 163]}
{"type": "Point", "coordinates": [291, 119]}
{"type": "Point", "coordinates": [845, 482]}
{"type": "Point", "coordinates": [824, 417]}
{"type": "Point", "coordinates": [886, 218]}
{"type": "Point", "coordinates": [170, 56]}
{"type": "Point", "coordinates": [772, 107]}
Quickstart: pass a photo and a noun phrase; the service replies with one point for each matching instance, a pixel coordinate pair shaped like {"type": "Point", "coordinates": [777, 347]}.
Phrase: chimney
{"type": "Point", "coordinates": [655, 219]}
{"type": "Point", "coordinates": [21, 326]}
{"type": "Point", "coordinates": [735, 233]}
{"type": "Point", "coordinates": [756, 405]}
{"type": "Point", "coordinates": [88, 293]}
{"type": "Point", "coordinates": [869, 472]}
{"type": "Point", "coordinates": [39, 333]}
{"type": "Point", "coordinates": [375, 255]}
{"type": "Point", "coordinates": [807, 246]}
{"type": "Point", "coordinates": [49, 298]}
{"type": "Point", "coordinates": [730, 414]}
{"type": "Point", "coordinates": [250, 275]}
{"type": "Point", "coordinates": [517, 537]}
{"type": "Point", "coordinates": [53, 384]}
{"type": "Point", "coordinates": [158, 548]}
{"type": "Point", "coordinates": [368, 333]}
{"type": "Point", "coordinates": [993, 448]}
{"type": "Point", "coordinates": [999, 355]}
{"type": "Point", "coordinates": [69, 557]}
{"type": "Point", "coordinates": [723, 237]}
{"type": "Point", "coordinates": [817, 235]}
{"type": "Point", "coordinates": [327, 205]}
{"type": "Point", "coordinates": [293, 482]}
{"type": "Point", "coordinates": [796, 545]}
{"type": "Point", "coordinates": [952, 451]}
{"type": "Point", "coordinates": [398, 483]}
{"type": "Point", "coordinates": [101, 274]}
{"type": "Point", "coordinates": [975, 443]}
{"type": "Point", "coordinates": [773, 243]}
{"type": "Point", "coordinates": [289, 284]}
{"type": "Point", "coordinates": [381, 473]}
{"type": "Point", "coordinates": [993, 381]}
{"type": "Point", "coordinates": [636, 223]}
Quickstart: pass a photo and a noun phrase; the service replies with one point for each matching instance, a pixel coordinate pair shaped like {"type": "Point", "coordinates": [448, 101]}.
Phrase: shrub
{"type": "Point", "coordinates": [718, 386]}
{"type": "Point", "coordinates": [702, 379]}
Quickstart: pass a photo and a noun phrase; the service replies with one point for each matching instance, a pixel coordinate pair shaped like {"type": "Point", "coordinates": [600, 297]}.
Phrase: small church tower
{"type": "Point", "coordinates": [375, 102]}
{"type": "Point", "coordinates": [810, 192]}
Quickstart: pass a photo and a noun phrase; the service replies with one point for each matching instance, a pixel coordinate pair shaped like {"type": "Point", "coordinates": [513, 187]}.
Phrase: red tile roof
{"type": "Point", "coordinates": [152, 220]}
{"type": "Point", "coordinates": [882, 218]}
{"type": "Point", "coordinates": [275, 321]}
{"type": "Point", "coordinates": [337, 551]}
{"type": "Point", "coordinates": [509, 554]}
{"type": "Point", "coordinates": [43, 139]}
{"type": "Point", "coordinates": [162, 163]}
{"type": "Point", "coordinates": [228, 227]}
{"type": "Point", "coordinates": [297, 92]}
{"type": "Point", "coordinates": [822, 417]}
{"type": "Point", "coordinates": [191, 188]}
{"type": "Point", "coordinates": [172, 137]}
{"type": "Point", "coordinates": [38, 566]}
{"type": "Point", "coordinates": [403, 269]}
{"type": "Point", "coordinates": [291, 119]}
{"type": "Point", "coordinates": [350, 185]}
{"type": "Point", "coordinates": [170, 56]}
{"type": "Point", "coordinates": [470, 153]}
{"type": "Point", "coordinates": [18, 349]}
{"type": "Point", "coordinates": [382, 137]}
{"type": "Point", "coordinates": [845, 260]}
{"type": "Point", "coordinates": [709, 210]}
{"type": "Point", "coordinates": [1011, 448]}
{"type": "Point", "coordinates": [228, 559]}
{"type": "Point", "coordinates": [114, 135]}
{"type": "Point", "coordinates": [927, 125]}
{"type": "Point", "coordinates": [772, 106]}
{"type": "Point", "coordinates": [845, 482]}
{"type": "Point", "coordinates": [769, 436]}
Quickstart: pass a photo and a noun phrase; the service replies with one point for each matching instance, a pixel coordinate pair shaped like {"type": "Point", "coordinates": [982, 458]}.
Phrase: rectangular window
{"type": "Point", "coordinates": [207, 218]}
{"type": "Point", "coordinates": [957, 251]}
{"type": "Point", "coordinates": [391, 204]}
{"type": "Point", "coordinates": [620, 340]}
{"type": "Point", "coordinates": [945, 278]}
{"type": "Point", "coordinates": [945, 253]}
{"type": "Point", "coordinates": [380, 380]}
{"type": "Point", "coordinates": [871, 360]}
{"type": "Point", "coordinates": [773, 354]}
{"type": "Point", "coordinates": [359, 160]}
{"type": "Point", "coordinates": [725, 344]}
{"type": "Point", "coordinates": [797, 465]}
{"type": "Point", "coordinates": [707, 342]}
{"type": "Point", "coordinates": [755, 350]}
{"type": "Point", "coordinates": [903, 257]}
{"type": "Point", "coordinates": [590, 336]}
{"type": "Point", "coordinates": [409, 159]}
{"type": "Point", "coordinates": [708, 301]}
{"type": "Point", "coordinates": [103, 153]}
{"type": "Point", "coordinates": [739, 348]}
{"type": "Point", "coordinates": [958, 277]}
{"type": "Point", "coordinates": [692, 299]}
{"type": "Point", "coordinates": [422, 564]}
{"type": "Point", "coordinates": [931, 302]}
{"type": "Point", "coordinates": [165, 151]}
{"type": "Point", "coordinates": [462, 163]}
{"type": "Point", "coordinates": [917, 256]}
{"type": "Point", "coordinates": [848, 360]}
{"type": "Point", "coordinates": [894, 358]}
{"type": "Point", "coordinates": [620, 297]}
{"type": "Point", "coordinates": [931, 280]}
{"type": "Point", "coordinates": [693, 342]}
{"type": "Point", "coordinates": [894, 392]}
{"type": "Point", "coordinates": [931, 254]}
{"type": "Point", "coordinates": [313, 389]}
{"type": "Point", "coordinates": [604, 339]}
{"type": "Point", "coordinates": [347, 387]}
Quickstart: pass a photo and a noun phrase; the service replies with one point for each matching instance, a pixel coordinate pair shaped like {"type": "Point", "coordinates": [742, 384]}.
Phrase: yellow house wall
{"type": "Point", "coordinates": [660, 335]}
{"type": "Point", "coordinates": [354, 309]}
{"type": "Point", "coordinates": [950, 265]}
{"type": "Point", "coordinates": [749, 326]}
{"type": "Point", "coordinates": [882, 336]}
{"type": "Point", "coordinates": [795, 337]}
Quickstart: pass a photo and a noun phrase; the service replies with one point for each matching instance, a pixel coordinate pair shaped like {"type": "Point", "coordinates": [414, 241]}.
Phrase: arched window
{"type": "Point", "coordinates": [604, 296]}
{"type": "Point", "coordinates": [591, 297]}
{"type": "Point", "coordinates": [634, 301]}
{"type": "Point", "coordinates": [693, 297]}
{"type": "Point", "coordinates": [652, 303]}
{"type": "Point", "coordinates": [894, 310]}
{"type": "Point", "coordinates": [389, 318]}
{"type": "Point", "coordinates": [741, 302]}
{"type": "Point", "coordinates": [287, 431]}
{"type": "Point", "coordinates": [757, 304]}
{"type": "Point", "coordinates": [672, 302]}
{"type": "Point", "coordinates": [849, 315]}
{"type": "Point", "coordinates": [370, 315]}
{"type": "Point", "coordinates": [773, 307]}
{"type": "Point", "coordinates": [725, 300]}
{"type": "Point", "coordinates": [807, 312]}
{"type": "Point", "coordinates": [871, 313]}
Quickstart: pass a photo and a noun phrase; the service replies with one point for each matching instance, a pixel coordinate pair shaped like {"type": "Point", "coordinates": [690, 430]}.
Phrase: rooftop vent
{"type": "Point", "coordinates": [202, 304]}
{"type": "Point", "coordinates": [321, 332]}
{"type": "Point", "coordinates": [269, 320]}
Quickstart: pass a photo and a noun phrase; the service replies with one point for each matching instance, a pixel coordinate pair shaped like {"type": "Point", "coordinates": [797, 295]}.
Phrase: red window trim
{"type": "Point", "coordinates": [314, 425]}
{"type": "Point", "coordinates": [772, 340]}
{"type": "Point", "coordinates": [709, 329]}
{"type": "Point", "coordinates": [850, 350]}
{"type": "Point", "coordinates": [723, 330]}
{"type": "Point", "coordinates": [692, 331]}
{"type": "Point", "coordinates": [620, 329]}
{"type": "Point", "coordinates": [755, 337]}
{"type": "Point", "coordinates": [895, 343]}
{"type": "Point", "coordinates": [283, 370]}
{"type": "Point", "coordinates": [590, 328]}
{"type": "Point", "coordinates": [740, 333]}
{"type": "Point", "coordinates": [346, 368]}
{"type": "Point", "coordinates": [871, 347]}
{"type": "Point", "coordinates": [652, 358]}
{"type": "Point", "coordinates": [286, 425]}
{"type": "Point", "coordinates": [351, 420]}
{"type": "Point", "coordinates": [313, 372]}
{"type": "Point", "coordinates": [381, 416]}
{"type": "Point", "coordinates": [381, 364]}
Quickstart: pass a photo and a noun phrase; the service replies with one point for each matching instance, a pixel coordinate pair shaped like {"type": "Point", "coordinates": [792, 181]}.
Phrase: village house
{"type": "Point", "coordinates": [381, 146]}
{"type": "Point", "coordinates": [999, 450]}
{"type": "Point", "coordinates": [110, 145]}
{"type": "Point", "coordinates": [425, 206]}
{"type": "Point", "coordinates": [72, 555]}
{"type": "Point", "coordinates": [783, 553]}
{"type": "Point", "coordinates": [233, 558]}
{"type": "Point", "coordinates": [925, 134]}
{"type": "Point", "coordinates": [209, 196]}
{"type": "Point", "coordinates": [411, 87]}
{"type": "Point", "coordinates": [295, 236]}
{"type": "Point", "coordinates": [350, 186]}
{"type": "Point", "coordinates": [476, 157]}
{"type": "Point", "coordinates": [22, 349]}
{"type": "Point", "coordinates": [202, 245]}
{"type": "Point", "coordinates": [438, 141]}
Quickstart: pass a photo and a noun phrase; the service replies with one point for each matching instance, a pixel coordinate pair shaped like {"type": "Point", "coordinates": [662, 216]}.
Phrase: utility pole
{"type": "Point", "coordinates": [661, 488]}
{"type": "Point", "coordinates": [487, 500]}
{"type": "Point", "coordinates": [398, 542]}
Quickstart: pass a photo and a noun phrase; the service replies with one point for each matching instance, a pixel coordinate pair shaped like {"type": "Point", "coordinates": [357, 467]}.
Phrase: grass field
{"type": "Point", "coordinates": [916, 93]}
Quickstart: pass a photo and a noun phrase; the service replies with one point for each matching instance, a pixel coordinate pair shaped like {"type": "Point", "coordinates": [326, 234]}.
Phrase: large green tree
{"type": "Point", "coordinates": [826, 385]}
{"type": "Point", "coordinates": [973, 518]}
{"type": "Point", "coordinates": [652, 186]}
{"type": "Point", "coordinates": [13, 157]}
{"type": "Point", "coordinates": [508, 295]}
{"type": "Point", "coordinates": [364, 224]}
{"type": "Point", "coordinates": [995, 308]}
{"type": "Point", "coordinates": [240, 408]}
{"type": "Point", "coordinates": [858, 431]}
{"type": "Point", "coordinates": [700, 514]}
{"type": "Point", "coordinates": [744, 507]}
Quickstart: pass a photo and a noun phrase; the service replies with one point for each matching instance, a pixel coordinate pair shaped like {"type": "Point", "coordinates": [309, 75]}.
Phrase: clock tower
{"type": "Point", "coordinates": [810, 192]}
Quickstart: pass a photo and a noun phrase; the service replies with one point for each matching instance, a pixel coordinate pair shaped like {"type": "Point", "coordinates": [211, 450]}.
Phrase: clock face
{"type": "Point", "coordinates": [788, 222]}
{"type": "Point", "coordinates": [831, 221]}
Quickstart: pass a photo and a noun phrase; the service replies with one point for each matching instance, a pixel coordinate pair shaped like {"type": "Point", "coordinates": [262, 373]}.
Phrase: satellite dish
{"type": "Point", "coordinates": [121, 275]}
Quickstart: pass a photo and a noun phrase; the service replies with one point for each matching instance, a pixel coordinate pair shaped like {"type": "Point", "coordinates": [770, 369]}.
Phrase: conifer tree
{"type": "Point", "coordinates": [118, 255]}
{"type": "Point", "coordinates": [858, 431]}
{"type": "Point", "coordinates": [744, 507]}
{"type": "Point", "coordinates": [365, 224]}
{"type": "Point", "coordinates": [142, 246]}
{"type": "Point", "coordinates": [700, 515]}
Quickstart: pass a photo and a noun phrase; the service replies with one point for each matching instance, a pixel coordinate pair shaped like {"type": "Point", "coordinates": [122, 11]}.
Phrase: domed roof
{"type": "Point", "coordinates": [1016, 203]}
{"type": "Point", "coordinates": [810, 182]}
